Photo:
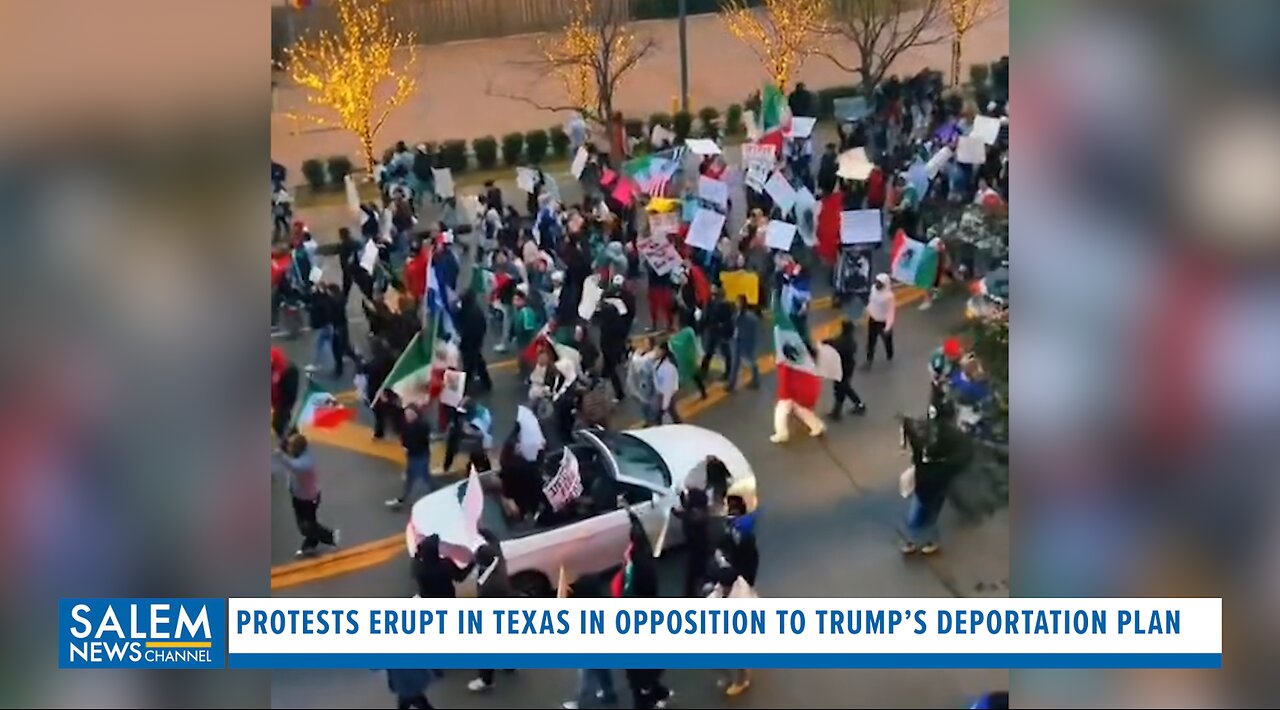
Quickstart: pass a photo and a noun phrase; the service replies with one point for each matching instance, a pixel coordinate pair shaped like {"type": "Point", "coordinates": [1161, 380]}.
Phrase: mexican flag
{"type": "Point", "coordinates": [563, 352]}
{"type": "Point", "coordinates": [320, 409]}
{"type": "Point", "coordinates": [798, 379]}
{"type": "Point", "coordinates": [410, 378]}
{"type": "Point", "coordinates": [912, 262]}
{"type": "Point", "coordinates": [687, 353]}
{"type": "Point", "coordinates": [773, 109]}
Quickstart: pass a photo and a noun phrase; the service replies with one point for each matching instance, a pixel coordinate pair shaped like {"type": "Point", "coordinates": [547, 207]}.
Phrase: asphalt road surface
{"type": "Point", "coordinates": [829, 528]}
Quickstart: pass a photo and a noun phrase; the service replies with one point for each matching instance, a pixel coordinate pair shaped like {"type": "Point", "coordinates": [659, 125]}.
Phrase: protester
{"type": "Point", "coordinates": [718, 325]}
{"type": "Point", "coordinates": [725, 583]}
{"type": "Point", "coordinates": [881, 312]}
{"type": "Point", "coordinates": [304, 487]}
{"type": "Point", "coordinates": [594, 684]}
{"type": "Point", "coordinates": [666, 381]}
{"type": "Point", "coordinates": [746, 332]}
{"type": "Point", "coordinates": [939, 451]}
{"type": "Point", "coordinates": [472, 327]}
{"type": "Point", "coordinates": [695, 523]}
{"type": "Point", "coordinates": [436, 575]}
{"type": "Point", "coordinates": [415, 436]}
{"type": "Point", "coordinates": [614, 329]}
{"type": "Point", "coordinates": [491, 583]}
{"type": "Point", "coordinates": [846, 346]}
{"type": "Point", "coordinates": [409, 685]}
{"type": "Point", "coordinates": [471, 430]}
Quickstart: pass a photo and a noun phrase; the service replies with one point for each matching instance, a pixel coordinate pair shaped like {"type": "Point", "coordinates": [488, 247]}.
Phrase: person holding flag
{"type": "Point", "coordinates": [415, 436]}
{"type": "Point", "coordinates": [304, 488]}
{"type": "Point", "coordinates": [799, 385]}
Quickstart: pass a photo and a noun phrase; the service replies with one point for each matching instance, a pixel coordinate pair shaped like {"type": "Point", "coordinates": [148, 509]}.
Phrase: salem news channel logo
{"type": "Point", "coordinates": [142, 633]}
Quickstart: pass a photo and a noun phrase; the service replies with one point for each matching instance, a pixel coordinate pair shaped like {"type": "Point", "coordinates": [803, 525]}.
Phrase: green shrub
{"type": "Point", "coordinates": [708, 116]}
{"type": "Point", "coordinates": [453, 155]}
{"type": "Point", "coordinates": [512, 145]}
{"type": "Point", "coordinates": [682, 124]}
{"type": "Point", "coordinates": [978, 74]}
{"type": "Point", "coordinates": [827, 98]}
{"type": "Point", "coordinates": [733, 120]}
{"type": "Point", "coordinates": [634, 127]}
{"type": "Point", "coordinates": [535, 145]}
{"type": "Point", "coordinates": [659, 119]}
{"type": "Point", "coordinates": [313, 171]}
{"type": "Point", "coordinates": [486, 150]}
{"type": "Point", "coordinates": [559, 141]}
{"type": "Point", "coordinates": [339, 168]}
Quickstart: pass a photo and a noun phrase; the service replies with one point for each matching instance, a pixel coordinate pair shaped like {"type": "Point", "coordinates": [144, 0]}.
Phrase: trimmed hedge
{"type": "Point", "coordinates": [659, 119]}
{"type": "Point", "coordinates": [827, 98]}
{"type": "Point", "coordinates": [708, 116]}
{"type": "Point", "coordinates": [453, 155]}
{"type": "Point", "coordinates": [682, 124]}
{"type": "Point", "coordinates": [978, 74]}
{"type": "Point", "coordinates": [313, 170]}
{"type": "Point", "coordinates": [559, 141]}
{"type": "Point", "coordinates": [339, 168]}
{"type": "Point", "coordinates": [666, 9]}
{"type": "Point", "coordinates": [535, 145]}
{"type": "Point", "coordinates": [512, 146]}
{"type": "Point", "coordinates": [486, 150]}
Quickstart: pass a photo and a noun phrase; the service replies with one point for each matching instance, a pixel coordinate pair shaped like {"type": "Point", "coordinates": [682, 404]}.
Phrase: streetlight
{"type": "Point", "coordinates": [683, 10]}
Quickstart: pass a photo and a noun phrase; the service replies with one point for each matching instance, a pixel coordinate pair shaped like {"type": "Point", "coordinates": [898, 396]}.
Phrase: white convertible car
{"type": "Point", "coordinates": [642, 470]}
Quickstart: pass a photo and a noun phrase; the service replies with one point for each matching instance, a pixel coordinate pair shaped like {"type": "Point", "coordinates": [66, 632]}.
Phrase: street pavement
{"type": "Point", "coordinates": [829, 528]}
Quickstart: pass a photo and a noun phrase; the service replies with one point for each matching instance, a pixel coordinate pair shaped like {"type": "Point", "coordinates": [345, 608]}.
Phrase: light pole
{"type": "Point", "coordinates": [683, 10]}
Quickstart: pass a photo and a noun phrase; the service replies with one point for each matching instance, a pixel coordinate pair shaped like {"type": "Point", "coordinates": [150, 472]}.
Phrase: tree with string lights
{"type": "Point", "coordinates": [964, 14]}
{"type": "Point", "coordinates": [589, 58]}
{"type": "Point", "coordinates": [881, 30]}
{"type": "Point", "coordinates": [781, 33]}
{"type": "Point", "coordinates": [355, 78]}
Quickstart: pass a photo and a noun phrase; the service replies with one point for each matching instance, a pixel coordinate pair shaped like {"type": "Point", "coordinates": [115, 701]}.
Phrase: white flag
{"type": "Point", "coordinates": [472, 507]}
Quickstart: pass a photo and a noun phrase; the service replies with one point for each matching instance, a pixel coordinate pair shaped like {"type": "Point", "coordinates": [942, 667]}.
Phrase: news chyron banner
{"type": "Point", "coordinates": [640, 633]}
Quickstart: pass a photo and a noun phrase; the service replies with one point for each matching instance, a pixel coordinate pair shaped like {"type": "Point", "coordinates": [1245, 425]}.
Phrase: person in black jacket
{"type": "Point", "coordinates": [717, 324]}
{"type": "Point", "coordinates": [341, 341]}
{"type": "Point", "coordinates": [493, 196]}
{"type": "Point", "coordinates": [587, 349]}
{"type": "Point", "coordinates": [471, 331]}
{"type": "Point", "coordinates": [284, 392]}
{"type": "Point", "coordinates": [828, 165]}
{"type": "Point", "coordinates": [415, 436]}
{"type": "Point", "coordinates": [695, 522]}
{"type": "Point", "coordinates": [739, 544]}
{"type": "Point", "coordinates": [436, 575]}
{"type": "Point", "coordinates": [801, 102]}
{"type": "Point", "coordinates": [614, 328]}
{"type": "Point", "coordinates": [349, 260]}
{"type": "Point", "coordinates": [939, 451]}
{"type": "Point", "coordinates": [387, 409]}
{"type": "Point", "coordinates": [846, 345]}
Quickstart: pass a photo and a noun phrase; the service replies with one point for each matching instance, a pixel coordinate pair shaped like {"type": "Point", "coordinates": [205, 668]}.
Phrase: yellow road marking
{"type": "Point", "coordinates": [372, 554]}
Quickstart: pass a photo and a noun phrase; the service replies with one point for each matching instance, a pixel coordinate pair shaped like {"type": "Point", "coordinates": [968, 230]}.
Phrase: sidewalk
{"type": "Point", "coordinates": [453, 101]}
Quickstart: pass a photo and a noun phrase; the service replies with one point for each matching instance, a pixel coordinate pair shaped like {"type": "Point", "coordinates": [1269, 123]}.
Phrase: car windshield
{"type": "Point", "coordinates": [636, 459]}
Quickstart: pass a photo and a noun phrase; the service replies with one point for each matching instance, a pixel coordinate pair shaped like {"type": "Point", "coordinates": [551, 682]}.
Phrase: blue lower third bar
{"type": "Point", "coordinates": [725, 660]}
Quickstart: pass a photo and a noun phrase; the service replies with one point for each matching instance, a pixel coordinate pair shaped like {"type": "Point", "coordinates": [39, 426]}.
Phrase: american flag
{"type": "Point", "coordinates": [662, 170]}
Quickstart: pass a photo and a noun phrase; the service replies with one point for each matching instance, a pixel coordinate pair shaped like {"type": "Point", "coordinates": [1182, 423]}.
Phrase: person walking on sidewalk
{"type": "Point", "coordinates": [304, 487]}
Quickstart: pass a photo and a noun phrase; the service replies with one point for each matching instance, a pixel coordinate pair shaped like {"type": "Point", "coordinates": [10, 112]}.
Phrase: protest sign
{"type": "Point", "coordinates": [566, 486]}
{"type": "Point", "coordinates": [659, 252]}
{"type": "Point", "coordinates": [986, 128]}
{"type": "Point", "coordinates": [861, 227]}
{"type": "Point", "coordinates": [702, 146]}
{"type": "Point", "coordinates": [783, 194]}
{"type": "Point", "coordinates": [579, 163]}
{"type": "Point", "coordinates": [660, 135]}
{"type": "Point", "coordinates": [369, 256]}
{"type": "Point", "coordinates": [713, 191]}
{"type": "Point", "coordinates": [591, 294]}
{"type": "Point", "coordinates": [623, 193]}
{"type": "Point", "coordinates": [854, 164]}
{"type": "Point", "coordinates": [780, 235]}
{"type": "Point", "coordinates": [850, 108]}
{"type": "Point", "coordinates": [470, 207]}
{"type": "Point", "coordinates": [802, 126]}
{"type": "Point", "coordinates": [971, 150]}
{"type": "Point", "coordinates": [938, 160]}
{"type": "Point", "coordinates": [444, 182]}
{"type": "Point", "coordinates": [455, 386]}
{"type": "Point", "coordinates": [704, 231]}
{"type": "Point", "coordinates": [740, 283]}
{"type": "Point", "coordinates": [663, 223]}
{"type": "Point", "coordinates": [755, 178]}
{"type": "Point", "coordinates": [317, 273]}
{"type": "Point", "coordinates": [526, 179]}
{"type": "Point", "coordinates": [764, 155]}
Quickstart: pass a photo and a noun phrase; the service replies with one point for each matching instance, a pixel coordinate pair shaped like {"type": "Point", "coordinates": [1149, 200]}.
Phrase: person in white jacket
{"type": "Point", "coordinates": [881, 312]}
{"type": "Point", "coordinates": [666, 381]}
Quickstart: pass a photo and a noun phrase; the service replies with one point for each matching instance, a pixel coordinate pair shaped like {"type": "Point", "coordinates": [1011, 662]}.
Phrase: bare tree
{"type": "Point", "coordinates": [589, 58]}
{"type": "Point", "coordinates": [882, 30]}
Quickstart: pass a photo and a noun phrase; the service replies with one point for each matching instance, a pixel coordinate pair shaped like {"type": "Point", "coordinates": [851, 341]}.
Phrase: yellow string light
{"type": "Point", "coordinates": [353, 79]}
{"type": "Point", "coordinates": [964, 14]}
{"type": "Point", "coordinates": [782, 33]}
{"type": "Point", "coordinates": [588, 56]}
